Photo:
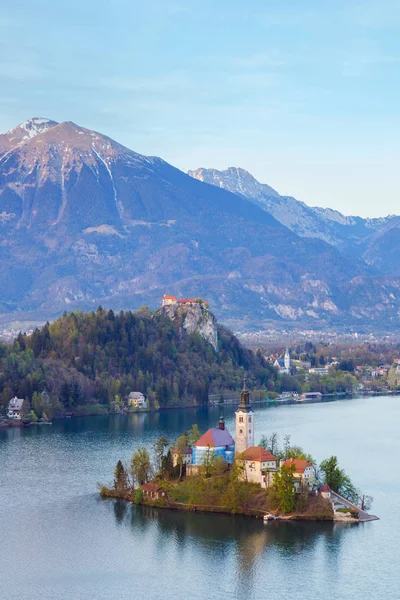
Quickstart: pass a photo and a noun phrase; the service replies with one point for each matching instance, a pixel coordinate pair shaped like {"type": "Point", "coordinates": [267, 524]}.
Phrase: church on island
{"type": "Point", "coordinates": [259, 465]}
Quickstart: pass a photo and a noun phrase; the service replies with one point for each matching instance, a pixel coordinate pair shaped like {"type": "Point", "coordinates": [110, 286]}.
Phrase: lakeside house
{"type": "Point", "coordinates": [137, 400]}
{"type": "Point", "coordinates": [152, 491]}
{"type": "Point", "coordinates": [326, 491]}
{"type": "Point", "coordinates": [311, 396]}
{"type": "Point", "coordinates": [304, 473]}
{"type": "Point", "coordinates": [15, 407]}
{"type": "Point", "coordinates": [259, 466]}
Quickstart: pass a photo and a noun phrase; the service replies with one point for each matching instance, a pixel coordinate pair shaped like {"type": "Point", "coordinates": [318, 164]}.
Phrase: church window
{"type": "Point", "coordinates": [240, 430]}
{"type": "Point", "coordinates": [249, 419]}
{"type": "Point", "coordinates": [240, 419]}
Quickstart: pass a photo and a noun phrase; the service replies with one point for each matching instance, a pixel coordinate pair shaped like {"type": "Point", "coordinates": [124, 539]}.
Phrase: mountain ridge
{"type": "Point", "coordinates": [85, 220]}
{"type": "Point", "coordinates": [351, 234]}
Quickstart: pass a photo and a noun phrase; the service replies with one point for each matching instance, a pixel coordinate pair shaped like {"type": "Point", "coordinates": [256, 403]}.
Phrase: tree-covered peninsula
{"type": "Point", "coordinates": [88, 362]}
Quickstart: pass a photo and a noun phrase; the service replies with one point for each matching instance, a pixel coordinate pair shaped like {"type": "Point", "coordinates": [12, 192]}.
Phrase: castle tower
{"type": "Point", "coordinates": [244, 422]}
{"type": "Point", "coordinates": [287, 361]}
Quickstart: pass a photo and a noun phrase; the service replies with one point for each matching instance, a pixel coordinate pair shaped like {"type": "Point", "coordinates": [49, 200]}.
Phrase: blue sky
{"type": "Point", "coordinates": [303, 94]}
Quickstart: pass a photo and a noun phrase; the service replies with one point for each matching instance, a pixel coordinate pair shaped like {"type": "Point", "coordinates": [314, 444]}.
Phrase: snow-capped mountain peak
{"type": "Point", "coordinates": [30, 128]}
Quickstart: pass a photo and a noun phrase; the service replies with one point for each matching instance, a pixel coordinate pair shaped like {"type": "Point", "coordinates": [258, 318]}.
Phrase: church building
{"type": "Point", "coordinates": [283, 364]}
{"type": "Point", "coordinates": [244, 422]}
{"type": "Point", "coordinates": [218, 440]}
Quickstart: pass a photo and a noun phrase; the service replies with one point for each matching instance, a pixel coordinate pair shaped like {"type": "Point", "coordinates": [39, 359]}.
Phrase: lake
{"type": "Point", "coordinates": [59, 541]}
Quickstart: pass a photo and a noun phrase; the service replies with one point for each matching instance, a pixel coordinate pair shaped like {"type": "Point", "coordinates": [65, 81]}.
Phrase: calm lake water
{"type": "Point", "coordinates": [59, 541]}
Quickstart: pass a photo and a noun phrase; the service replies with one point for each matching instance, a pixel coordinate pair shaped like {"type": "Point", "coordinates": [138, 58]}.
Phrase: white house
{"type": "Point", "coordinates": [137, 400]}
{"type": "Point", "coordinates": [15, 408]}
{"type": "Point", "coordinates": [185, 455]}
{"type": "Point", "coordinates": [304, 473]}
{"type": "Point", "coordinates": [326, 491]}
{"type": "Point", "coordinates": [259, 466]}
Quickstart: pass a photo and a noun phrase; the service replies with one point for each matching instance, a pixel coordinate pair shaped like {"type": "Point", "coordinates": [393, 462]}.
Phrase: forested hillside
{"type": "Point", "coordinates": [86, 359]}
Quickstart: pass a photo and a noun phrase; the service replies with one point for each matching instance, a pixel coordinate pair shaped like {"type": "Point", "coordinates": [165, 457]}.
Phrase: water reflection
{"type": "Point", "coordinates": [248, 538]}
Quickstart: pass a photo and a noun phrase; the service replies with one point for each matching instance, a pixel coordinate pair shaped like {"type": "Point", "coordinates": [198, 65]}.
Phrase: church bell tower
{"type": "Point", "coordinates": [244, 422]}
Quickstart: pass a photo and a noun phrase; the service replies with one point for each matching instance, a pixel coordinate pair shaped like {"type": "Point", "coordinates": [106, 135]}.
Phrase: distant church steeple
{"type": "Point", "coordinates": [287, 360]}
{"type": "Point", "coordinates": [244, 421]}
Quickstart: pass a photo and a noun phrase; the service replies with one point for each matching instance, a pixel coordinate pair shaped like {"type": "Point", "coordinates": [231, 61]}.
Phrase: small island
{"type": "Point", "coordinates": [214, 473]}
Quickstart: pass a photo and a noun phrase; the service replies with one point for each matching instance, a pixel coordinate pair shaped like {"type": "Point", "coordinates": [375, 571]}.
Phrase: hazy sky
{"type": "Point", "coordinates": [303, 94]}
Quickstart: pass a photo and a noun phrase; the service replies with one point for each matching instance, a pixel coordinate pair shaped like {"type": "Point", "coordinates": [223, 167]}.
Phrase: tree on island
{"type": "Point", "coordinates": [235, 495]}
{"type": "Point", "coordinates": [141, 467]}
{"type": "Point", "coordinates": [193, 435]}
{"type": "Point", "coordinates": [270, 443]}
{"type": "Point", "coordinates": [121, 478]}
{"type": "Point", "coordinates": [159, 447]}
{"type": "Point", "coordinates": [167, 466]}
{"type": "Point", "coordinates": [181, 446]}
{"type": "Point", "coordinates": [283, 488]}
{"type": "Point", "coordinates": [337, 479]}
{"type": "Point", "coordinates": [364, 501]}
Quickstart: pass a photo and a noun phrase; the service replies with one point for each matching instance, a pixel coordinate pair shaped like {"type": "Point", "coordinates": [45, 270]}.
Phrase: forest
{"type": "Point", "coordinates": [90, 362]}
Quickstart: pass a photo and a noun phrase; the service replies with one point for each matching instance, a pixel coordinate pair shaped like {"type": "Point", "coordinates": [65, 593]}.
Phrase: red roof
{"type": "Point", "coordinates": [169, 297]}
{"type": "Point", "coordinates": [257, 454]}
{"type": "Point", "coordinates": [187, 300]}
{"type": "Point", "coordinates": [215, 437]}
{"type": "Point", "coordinates": [325, 488]}
{"type": "Point", "coordinates": [150, 487]}
{"type": "Point", "coordinates": [299, 464]}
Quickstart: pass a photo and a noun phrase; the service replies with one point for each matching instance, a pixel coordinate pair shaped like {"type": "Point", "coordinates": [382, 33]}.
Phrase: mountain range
{"type": "Point", "coordinates": [84, 220]}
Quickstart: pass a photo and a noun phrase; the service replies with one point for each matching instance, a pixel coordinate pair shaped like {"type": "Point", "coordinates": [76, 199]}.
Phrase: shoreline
{"type": "Point", "coordinates": [107, 494]}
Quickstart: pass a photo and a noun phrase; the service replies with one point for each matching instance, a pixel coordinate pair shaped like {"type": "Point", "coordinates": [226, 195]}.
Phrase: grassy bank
{"type": "Point", "coordinates": [218, 494]}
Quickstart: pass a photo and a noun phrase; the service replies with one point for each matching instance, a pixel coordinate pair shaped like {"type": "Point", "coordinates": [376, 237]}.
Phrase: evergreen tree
{"type": "Point", "coordinates": [121, 479]}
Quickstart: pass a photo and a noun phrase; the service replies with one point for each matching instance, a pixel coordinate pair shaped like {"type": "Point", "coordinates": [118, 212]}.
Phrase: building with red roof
{"type": "Point", "coordinates": [168, 300]}
{"type": "Point", "coordinates": [152, 491]}
{"type": "Point", "coordinates": [259, 465]}
{"type": "Point", "coordinates": [325, 491]}
{"type": "Point", "coordinates": [216, 441]}
{"type": "Point", "coordinates": [304, 472]}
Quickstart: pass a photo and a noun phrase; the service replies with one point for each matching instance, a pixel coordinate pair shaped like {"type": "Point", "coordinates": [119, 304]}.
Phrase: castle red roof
{"type": "Point", "coordinates": [169, 297]}
{"type": "Point", "coordinates": [187, 300]}
{"type": "Point", "coordinates": [257, 454]}
{"type": "Point", "coordinates": [299, 463]}
{"type": "Point", "coordinates": [215, 437]}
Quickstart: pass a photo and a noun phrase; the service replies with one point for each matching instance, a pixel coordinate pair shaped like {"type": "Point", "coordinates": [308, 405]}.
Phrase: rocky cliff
{"type": "Point", "coordinates": [195, 318]}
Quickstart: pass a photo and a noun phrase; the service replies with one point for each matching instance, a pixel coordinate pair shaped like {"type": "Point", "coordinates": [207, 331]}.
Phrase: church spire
{"type": "Point", "coordinates": [245, 396]}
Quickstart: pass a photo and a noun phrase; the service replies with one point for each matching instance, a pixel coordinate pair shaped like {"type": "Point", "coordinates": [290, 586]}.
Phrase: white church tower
{"type": "Point", "coordinates": [287, 361]}
{"type": "Point", "coordinates": [244, 422]}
